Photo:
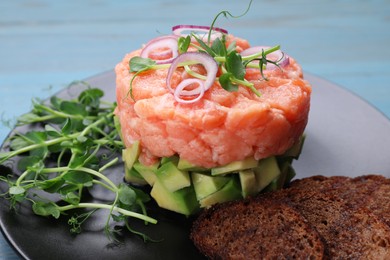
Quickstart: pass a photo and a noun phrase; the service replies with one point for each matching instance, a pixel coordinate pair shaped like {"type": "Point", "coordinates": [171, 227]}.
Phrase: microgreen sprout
{"type": "Point", "coordinates": [226, 14]}
{"type": "Point", "coordinates": [69, 147]}
{"type": "Point", "coordinates": [231, 63]}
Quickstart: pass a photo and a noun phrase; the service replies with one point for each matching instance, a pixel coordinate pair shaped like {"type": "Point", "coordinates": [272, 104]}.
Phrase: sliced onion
{"type": "Point", "coordinates": [197, 92]}
{"type": "Point", "coordinates": [168, 44]}
{"type": "Point", "coordinates": [204, 59]}
{"type": "Point", "coordinates": [200, 30]}
{"type": "Point", "coordinates": [278, 56]}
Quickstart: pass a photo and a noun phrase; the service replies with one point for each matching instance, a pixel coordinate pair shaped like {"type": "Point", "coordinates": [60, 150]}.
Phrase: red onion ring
{"type": "Point", "coordinates": [204, 59]}
{"type": "Point", "coordinates": [277, 56]}
{"type": "Point", "coordinates": [169, 41]}
{"type": "Point", "coordinates": [180, 91]}
{"type": "Point", "coordinates": [215, 32]}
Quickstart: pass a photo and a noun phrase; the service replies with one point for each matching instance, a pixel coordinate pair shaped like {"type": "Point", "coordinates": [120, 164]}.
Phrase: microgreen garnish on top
{"type": "Point", "coordinates": [167, 51]}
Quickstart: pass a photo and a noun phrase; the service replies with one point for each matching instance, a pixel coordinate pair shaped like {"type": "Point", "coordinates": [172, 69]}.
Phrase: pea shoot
{"type": "Point", "coordinates": [68, 148]}
{"type": "Point", "coordinates": [232, 65]}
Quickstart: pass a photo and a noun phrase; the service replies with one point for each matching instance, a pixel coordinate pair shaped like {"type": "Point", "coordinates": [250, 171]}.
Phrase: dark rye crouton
{"type": "Point", "coordinates": [261, 228]}
{"type": "Point", "coordinates": [348, 231]}
{"type": "Point", "coordinates": [351, 216]}
{"type": "Point", "coordinates": [370, 191]}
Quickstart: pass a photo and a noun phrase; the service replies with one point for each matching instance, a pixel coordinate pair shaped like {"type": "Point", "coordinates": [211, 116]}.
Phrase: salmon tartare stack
{"type": "Point", "coordinates": [214, 109]}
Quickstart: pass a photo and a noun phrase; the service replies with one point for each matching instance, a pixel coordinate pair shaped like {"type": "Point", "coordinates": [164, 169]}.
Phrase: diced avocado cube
{"type": "Point", "coordinates": [187, 166]}
{"type": "Point", "coordinates": [130, 154]}
{"type": "Point", "coordinates": [182, 201]}
{"type": "Point", "coordinates": [172, 178]}
{"type": "Point", "coordinates": [248, 182]}
{"type": "Point", "coordinates": [267, 171]}
{"type": "Point", "coordinates": [132, 176]}
{"type": "Point", "coordinates": [236, 166]}
{"type": "Point", "coordinates": [295, 150]}
{"type": "Point", "coordinates": [147, 172]}
{"type": "Point", "coordinates": [174, 159]}
{"type": "Point", "coordinates": [230, 191]}
{"type": "Point", "coordinates": [287, 173]}
{"type": "Point", "coordinates": [205, 184]}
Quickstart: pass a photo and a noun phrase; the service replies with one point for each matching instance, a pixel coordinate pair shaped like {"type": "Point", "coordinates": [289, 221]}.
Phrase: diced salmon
{"type": "Point", "coordinates": [221, 127]}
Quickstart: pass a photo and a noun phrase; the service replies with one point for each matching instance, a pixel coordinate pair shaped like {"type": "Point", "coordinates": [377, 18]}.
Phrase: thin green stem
{"type": "Point", "coordinates": [193, 73]}
{"type": "Point", "coordinates": [104, 185]}
{"type": "Point", "coordinates": [109, 207]}
{"type": "Point", "coordinates": [258, 54]}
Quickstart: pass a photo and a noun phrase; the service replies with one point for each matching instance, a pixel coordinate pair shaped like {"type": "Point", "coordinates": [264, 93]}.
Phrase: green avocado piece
{"type": "Point", "coordinates": [147, 172]}
{"type": "Point", "coordinates": [172, 178]}
{"type": "Point", "coordinates": [231, 191]}
{"type": "Point", "coordinates": [132, 176]}
{"type": "Point", "coordinates": [182, 201]}
{"type": "Point", "coordinates": [248, 182]}
{"type": "Point", "coordinates": [287, 173]}
{"type": "Point", "coordinates": [267, 171]}
{"type": "Point", "coordinates": [205, 184]}
{"type": "Point", "coordinates": [294, 151]}
{"type": "Point", "coordinates": [130, 154]}
{"type": "Point", "coordinates": [247, 163]}
{"type": "Point", "coordinates": [187, 166]}
{"type": "Point", "coordinates": [174, 159]}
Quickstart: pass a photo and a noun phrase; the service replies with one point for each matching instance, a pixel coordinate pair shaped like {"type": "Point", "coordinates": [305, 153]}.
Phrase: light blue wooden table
{"type": "Point", "coordinates": [45, 45]}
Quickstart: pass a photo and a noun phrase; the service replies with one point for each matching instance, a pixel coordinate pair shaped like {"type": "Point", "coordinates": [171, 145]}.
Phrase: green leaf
{"type": "Point", "coordinates": [28, 118]}
{"type": "Point", "coordinates": [73, 108]}
{"type": "Point", "coordinates": [205, 47]}
{"type": "Point", "coordinates": [16, 190]}
{"type": "Point", "coordinates": [51, 131]}
{"type": "Point", "coordinates": [118, 218]}
{"type": "Point", "coordinates": [234, 65]}
{"type": "Point", "coordinates": [55, 102]}
{"type": "Point", "coordinates": [91, 97]}
{"type": "Point", "coordinates": [52, 185]}
{"type": "Point", "coordinates": [5, 156]}
{"type": "Point", "coordinates": [126, 194]}
{"type": "Point", "coordinates": [72, 198]}
{"type": "Point", "coordinates": [68, 188]}
{"type": "Point", "coordinates": [29, 162]}
{"type": "Point", "coordinates": [81, 159]}
{"type": "Point", "coordinates": [141, 195]}
{"type": "Point", "coordinates": [77, 177]}
{"type": "Point", "coordinates": [219, 48]}
{"type": "Point", "coordinates": [226, 83]}
{"type": "Point", "coordinates": [140, 64]}
{"type": "Point", "coordinates": [46, 209]}
{"type": "Point", "coordinates": [36, 136]}
{"type": "Point", "coordinates": [19, 142]}
{"type": "Point", "coordinates": [67, 127]}
{"type": "Point", "coordinates": [81, 139]}
{"type": "Point", "coordinates": [183, 44]}
{"type": "Point", "coordinates": [232, 47]}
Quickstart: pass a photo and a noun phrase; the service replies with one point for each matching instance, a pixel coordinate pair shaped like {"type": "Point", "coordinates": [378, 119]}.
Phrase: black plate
{"type": "Point", "coordinates": [345, 136]}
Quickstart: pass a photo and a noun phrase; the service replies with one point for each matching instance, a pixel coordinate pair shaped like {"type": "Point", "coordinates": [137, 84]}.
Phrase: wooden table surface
{"type": "Point", "coordinates": [45, 45]}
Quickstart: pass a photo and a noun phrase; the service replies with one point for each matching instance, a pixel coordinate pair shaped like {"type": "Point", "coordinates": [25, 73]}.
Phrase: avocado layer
{"type": "Point", "coordinates": [182, 187]}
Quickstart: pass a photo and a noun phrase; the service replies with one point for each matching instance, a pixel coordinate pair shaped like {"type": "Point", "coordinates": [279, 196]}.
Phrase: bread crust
{"type": "Point", "coordinates": [347, 217]}
{"type": "Point", "coordinates": [242, 230]}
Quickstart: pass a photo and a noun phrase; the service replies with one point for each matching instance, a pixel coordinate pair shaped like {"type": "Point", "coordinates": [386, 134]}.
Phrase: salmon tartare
{"type": "Point", "coordinates": [218, 126]}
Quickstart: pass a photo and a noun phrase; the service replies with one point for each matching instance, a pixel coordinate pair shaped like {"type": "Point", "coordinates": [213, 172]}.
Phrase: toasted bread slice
{"type": "Point", "coordinates": [349, 230]}
{"type": "Point", "coordinates": [377, 191]}
{"type": "Point", "coordinates": [370, 191]}
{"type": "Point", "coordinates": [260, 228]}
